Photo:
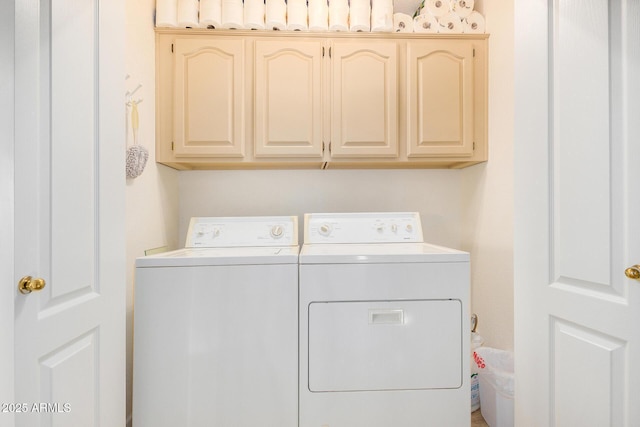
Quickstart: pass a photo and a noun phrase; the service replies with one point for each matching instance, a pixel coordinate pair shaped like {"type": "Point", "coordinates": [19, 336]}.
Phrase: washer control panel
{"type": "Point", "coordinates": [221, 232]}
{"type": "Point", "coordinates": [369, 227]}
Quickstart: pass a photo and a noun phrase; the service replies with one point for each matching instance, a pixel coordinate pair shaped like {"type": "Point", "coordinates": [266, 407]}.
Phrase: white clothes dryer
{"type": "Point", "coordinates": [215, 327]}
{"type": "Point", "coordinates": [384, 324]}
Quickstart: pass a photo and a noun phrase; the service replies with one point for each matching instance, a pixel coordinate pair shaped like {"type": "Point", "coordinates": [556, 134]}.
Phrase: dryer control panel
{"type": "Point", "coordinates": [368, 227]}
{"type": "Point", "coordinates": [223, 232]}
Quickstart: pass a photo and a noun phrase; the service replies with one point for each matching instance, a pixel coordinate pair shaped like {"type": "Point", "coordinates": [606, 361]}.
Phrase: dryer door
{"type": "Point", "coordinates": [385, 345]}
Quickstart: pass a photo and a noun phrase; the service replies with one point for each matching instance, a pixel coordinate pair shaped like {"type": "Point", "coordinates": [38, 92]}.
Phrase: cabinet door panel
{"type": "Point", "coordinates": [288, 98]}
{"type": "Point", "coordinates": [209, 98]}
{"type": "Point", "coordinates": [440, 98]}
{"type": "Point", "coordinates": [364, 101]}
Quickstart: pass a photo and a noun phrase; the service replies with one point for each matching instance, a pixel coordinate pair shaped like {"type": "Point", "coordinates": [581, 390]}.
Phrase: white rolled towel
{"type": "Point", "coordinates": [232, 14]}
{"type": "Point", "coordinates": [167, 13]}
{"type": "Point", "coordinates": [210, 13]}
{"type": "Point", "coordinates": [360, 16]}
{"type": "Point", "coordinates": [254, 14]}
{"type": "Point", "coordinates": [449, 24]}
{"type": "Point", "coordinates": [474, 23]}
{"type": "Point", "coordinates": [382, 16]}
{"type": "Point", "coordinates": [402, 23]}
{"type": "Point", "coordinates": [425, 23]}
{"type": "Point", "coordinates": [188, 13]}
{"type": "Point", "coordinates": [338, 15]}
{"type": "Point", "coordinates": [436, 8]}
{"type": "Point", "coordinates": [462, 8]}
{"type": "Point", "coordinates": [318, 15]}
{"type": "Point", "coordinates": [276, 15]}
{"type": "Point", "coordinates": [297, 15]}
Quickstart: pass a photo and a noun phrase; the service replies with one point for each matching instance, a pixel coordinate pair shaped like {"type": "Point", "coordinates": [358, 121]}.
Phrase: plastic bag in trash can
{"type": "Point", "coordinates": [476, 341]}
{"type": "Point", "coordinates": [496, 366]}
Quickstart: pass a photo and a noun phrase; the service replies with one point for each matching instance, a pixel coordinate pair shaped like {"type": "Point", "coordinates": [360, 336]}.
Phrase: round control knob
{"type": "Point", "coordinates": [380, 229]}
{"type": "Point", "coordinates": [325, 230]}
{"type": "Point", "coordinates": [409, 228]}
{"type": "Point", "coordinates": [277, 231]}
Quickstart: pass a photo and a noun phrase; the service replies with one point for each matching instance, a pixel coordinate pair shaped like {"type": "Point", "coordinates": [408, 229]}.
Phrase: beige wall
{"type": "Point", "coordinates": [487, 191]}
{"type": "Point", "coordinates": [470, 209]}
{"type": "Point", "coordinates": [433, 193]}
{"type": "Point", "coordinates": [151, 198]}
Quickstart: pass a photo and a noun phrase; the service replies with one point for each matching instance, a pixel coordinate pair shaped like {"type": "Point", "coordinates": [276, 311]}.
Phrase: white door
{"type": "Point", "coordinates": [577, 143]}
{"type": "Point", "coordinates": [6, 210]}
{"type": "Point", "coordinates": [69, 213]}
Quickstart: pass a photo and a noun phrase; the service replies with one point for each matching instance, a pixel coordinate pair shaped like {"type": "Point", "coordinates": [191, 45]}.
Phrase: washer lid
{"type": "Point", "coordinates": [379, 253]}
{"type": "Point", "coordinates": [222, 256]}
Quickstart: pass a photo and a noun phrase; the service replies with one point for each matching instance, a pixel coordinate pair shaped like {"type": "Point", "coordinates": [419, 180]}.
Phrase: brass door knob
{"type": "Point", "coordinates": [28, 284]}
{"type": "Point", "coordinates": [633, 272]}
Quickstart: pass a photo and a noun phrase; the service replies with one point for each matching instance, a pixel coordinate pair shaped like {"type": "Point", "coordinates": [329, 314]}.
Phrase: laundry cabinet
{"type": "Point", "coordinates": [275, 99]}
{"type": "Point", "coordinates": [440, 102]}
{"type": "Point", "coordinates": [209, 105]}
{"type": "Point", "coordinates": [338, 95]}
{"type": "Point", "coordinates": [364, 99]}
{"type": "Point", "coordinates": [289, 86]}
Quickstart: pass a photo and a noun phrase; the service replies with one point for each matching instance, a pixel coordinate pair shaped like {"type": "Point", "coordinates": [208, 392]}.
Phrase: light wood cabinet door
{"type": "Point", "coordinates": [364, 99]}
{"type": "Point", "coordinates": [440, 97]}
{"type": "Point", "coordinates": [288, 98]}
{"type": "Point", "coordinates": [208, 98]}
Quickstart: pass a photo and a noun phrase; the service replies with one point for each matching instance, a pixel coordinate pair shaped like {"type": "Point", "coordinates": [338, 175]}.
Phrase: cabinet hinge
{"type": "Point", "coordinates": [171, 145]}
{"type": "Point", "coordinates": [323, 51]}
{"type": "Point", "coordinates": [171, 47]}
{"type": "Point", "coordinates": [329, 51]}
{"type": "Point", "coordinates": [474, 52]}
{"type": "Point", "coordinates": [474, 146]}
{"type": "Point", "coordinates": [329, 147]}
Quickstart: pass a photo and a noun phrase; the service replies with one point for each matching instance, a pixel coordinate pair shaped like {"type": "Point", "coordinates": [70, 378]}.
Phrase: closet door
{"type": "Point", "coordinates": [364, 99]}
{"type": "Point", "coordinates": [288, 98]}
{"type": "Point", "coordinates": [209, 98]}
{"type": "Point", "coordinates": [577, 212]}
{"type": "Point", "coordinates": [69, 284]}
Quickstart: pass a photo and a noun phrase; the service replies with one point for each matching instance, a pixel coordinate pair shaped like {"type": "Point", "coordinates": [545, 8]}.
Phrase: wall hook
{"type": "Point", "coordinates": [129, 95]}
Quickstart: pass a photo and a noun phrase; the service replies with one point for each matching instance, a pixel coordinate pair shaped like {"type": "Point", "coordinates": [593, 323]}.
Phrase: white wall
{"type": "Point", "coordinates": [488, 191]}
{"type": "Point", "coordinates": [151, 198]}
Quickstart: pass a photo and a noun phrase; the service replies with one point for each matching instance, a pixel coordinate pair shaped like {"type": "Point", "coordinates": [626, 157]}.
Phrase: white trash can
{"type": "Point", "coordinates": [495, 368]}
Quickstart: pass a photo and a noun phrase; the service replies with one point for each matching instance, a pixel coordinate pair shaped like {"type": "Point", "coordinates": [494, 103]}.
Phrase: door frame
{"type": "Point", "coordinates": [7, 292]}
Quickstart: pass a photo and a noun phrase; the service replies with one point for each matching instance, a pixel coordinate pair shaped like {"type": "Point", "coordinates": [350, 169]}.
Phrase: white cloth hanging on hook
{"type": "Point", "coordinates": [137, 155]}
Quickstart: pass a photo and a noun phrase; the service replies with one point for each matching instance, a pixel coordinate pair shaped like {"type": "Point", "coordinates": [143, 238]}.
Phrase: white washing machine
{"type": "Point", "coordinates": [215, 327]}
{"type": "Point", "coordinates": [384, 324]}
